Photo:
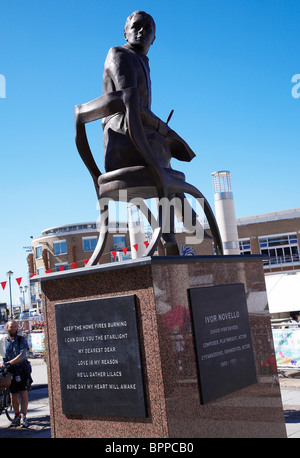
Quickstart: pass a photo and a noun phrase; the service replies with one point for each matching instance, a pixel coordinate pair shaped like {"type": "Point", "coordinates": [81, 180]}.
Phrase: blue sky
{"type": "Point", "coordinates": [224, 66]}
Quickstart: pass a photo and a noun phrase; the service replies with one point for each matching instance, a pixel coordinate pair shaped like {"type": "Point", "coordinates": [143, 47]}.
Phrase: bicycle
{"type": "Point", "coordinates": [5, 400]}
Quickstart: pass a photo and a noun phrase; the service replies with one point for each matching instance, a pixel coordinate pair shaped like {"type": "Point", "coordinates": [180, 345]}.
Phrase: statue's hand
{"type": "Point", "coordinates": [163, 128]}
{"type": "Point", "coordinates": [150, 119]}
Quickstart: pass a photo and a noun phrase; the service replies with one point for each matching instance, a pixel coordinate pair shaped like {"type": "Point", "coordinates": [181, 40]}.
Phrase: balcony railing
{"type": "Point", "coordinates": [280, 260]}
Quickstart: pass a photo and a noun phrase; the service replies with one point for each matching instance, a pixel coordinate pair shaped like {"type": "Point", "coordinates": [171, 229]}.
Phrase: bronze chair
{"type": "Point", "coordinates": [143, 182]}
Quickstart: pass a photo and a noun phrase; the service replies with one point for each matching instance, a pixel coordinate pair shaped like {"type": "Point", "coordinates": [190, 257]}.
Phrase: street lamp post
{"type": "Point", "coordinates": [10, 274]}
{"type": "Point", "coordinates": [23, 290]}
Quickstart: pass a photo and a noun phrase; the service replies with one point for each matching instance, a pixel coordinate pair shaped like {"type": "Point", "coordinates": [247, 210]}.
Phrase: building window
{"type": "Point", "coordinates": [245, 246]}
{"type": "Point", "coordinates": [38, 251]}
{"type": "Point", "coordinates": [120, 256]}
{"type": "Point", "coordinates": [61, 266]}
{"type": "Point", "coordinates": [124, 257]}
{"type": "Point", "coordinates": [60, 247]}
{"type": "Point", "coordinates": [119, 242]}
{"type": "Point", "coordinates": [281, 249]}
{"type": "Point", "coordinates": [41, 271]}
{"type": "Point", "coordinates": [89, 243]}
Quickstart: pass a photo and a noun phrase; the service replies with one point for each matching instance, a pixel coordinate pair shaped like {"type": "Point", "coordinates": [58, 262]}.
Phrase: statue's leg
{"type": "Point", "coordinates": [102, 237]}
{"type": "Point", "coordinates": [168, 236]}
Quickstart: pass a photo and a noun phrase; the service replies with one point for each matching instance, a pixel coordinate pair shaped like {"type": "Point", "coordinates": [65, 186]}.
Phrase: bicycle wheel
{"type": "Point", "coordinates": [7, 405]}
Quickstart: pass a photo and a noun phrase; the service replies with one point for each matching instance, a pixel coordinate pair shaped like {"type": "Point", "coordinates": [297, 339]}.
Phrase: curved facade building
{"type": "Point", "coordinates": [68, 247]}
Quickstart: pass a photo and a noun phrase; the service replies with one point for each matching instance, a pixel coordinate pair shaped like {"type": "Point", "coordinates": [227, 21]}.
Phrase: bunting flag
{"type": "Point", "coordinates": [74, 264]}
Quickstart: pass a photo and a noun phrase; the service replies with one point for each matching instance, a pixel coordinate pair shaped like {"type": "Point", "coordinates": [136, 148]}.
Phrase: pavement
{"type": "Point", "coordinates": [289, 380]}
{"type": "Point", "coordinates": [39, 413]}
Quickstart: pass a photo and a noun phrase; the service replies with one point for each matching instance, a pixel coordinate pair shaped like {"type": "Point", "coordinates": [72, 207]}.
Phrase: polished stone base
{"type": "Point", "coordinates": [168, 350]}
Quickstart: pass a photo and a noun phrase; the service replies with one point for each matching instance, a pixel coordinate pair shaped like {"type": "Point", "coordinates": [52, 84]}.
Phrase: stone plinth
{"type": "Point", "coordinates": [167, 348]}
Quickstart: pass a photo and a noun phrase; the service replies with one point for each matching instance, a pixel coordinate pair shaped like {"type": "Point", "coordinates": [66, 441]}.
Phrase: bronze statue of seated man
{"type": "Point", "coordinates": [133, 136]}
{"type": "Point", "coordinates": [128, 67]}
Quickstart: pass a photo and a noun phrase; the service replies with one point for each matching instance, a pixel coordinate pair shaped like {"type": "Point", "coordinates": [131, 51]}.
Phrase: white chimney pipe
{"type": "Point", "coordinates": [225, 212]}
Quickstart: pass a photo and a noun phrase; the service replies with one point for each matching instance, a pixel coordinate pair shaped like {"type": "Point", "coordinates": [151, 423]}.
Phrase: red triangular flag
{"type": "Point", "coordinates": [86, 261]}
{"type": "Point", "coordinates": [61, 268]}
{"type": "Point", "coordinates": [19, 280]}
{"type": "Point", "coordinates": [3, 284]}
{"type": "Point", "coordinates": [124, 250]}
{"type": "Point", "coordinates": [32, 275]}
{"type": "Point", "coordinates": [74, 265]}
{"type": "Point", "coordinates": [114, 253]}
{"type": "Point", "coordinates": [48, 271]}
{"type": "Point", "coordinates": [99, 261]}
{"type": "Point", "coordinates": [146, 243]}
{"type": "Point", "coordinates": [136, 246]}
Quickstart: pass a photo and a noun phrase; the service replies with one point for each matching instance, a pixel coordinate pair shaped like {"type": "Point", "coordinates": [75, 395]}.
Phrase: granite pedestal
{"type": "Point", "coordinates": [161, 361]}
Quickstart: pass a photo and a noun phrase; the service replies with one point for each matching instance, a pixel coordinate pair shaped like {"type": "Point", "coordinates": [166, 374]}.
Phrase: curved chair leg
{"type": "Point", "coordinates": [213, 227]}
{"type": "Point", "coordinates": [187, 215]}
{"type": "Point", "coordinates": [170, 242]}
{"type": "Point", "coordinates": [102, 238]}
{"type": "Point", "coordinates": [152, 247]}
{"type": "Point", "coordinates": [190, 189]}
{"type": "Point", "coordinates": [212, 223]}
{"type": "Point", "coordinates": [155, 225]}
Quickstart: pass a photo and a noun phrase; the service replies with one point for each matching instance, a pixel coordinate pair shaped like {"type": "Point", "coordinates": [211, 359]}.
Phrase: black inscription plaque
{"type": "Point", "coordinates": [99, 357]}
{"type": "Point", "coordinates": [222, 339]}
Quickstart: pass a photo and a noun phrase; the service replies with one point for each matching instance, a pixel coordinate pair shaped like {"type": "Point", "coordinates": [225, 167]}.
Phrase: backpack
{"type": "Point", "coordinates": [25, 365]}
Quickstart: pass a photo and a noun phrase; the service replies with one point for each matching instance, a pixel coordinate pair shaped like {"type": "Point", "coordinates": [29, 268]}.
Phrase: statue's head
{"type": "Point", "coordinates": [139, 31]}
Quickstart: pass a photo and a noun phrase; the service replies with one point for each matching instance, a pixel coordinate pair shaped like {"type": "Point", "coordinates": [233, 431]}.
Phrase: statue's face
{"type": "Point", "coordinates": [140, 33]}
